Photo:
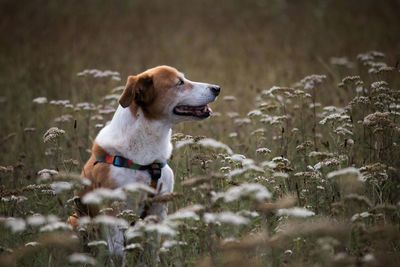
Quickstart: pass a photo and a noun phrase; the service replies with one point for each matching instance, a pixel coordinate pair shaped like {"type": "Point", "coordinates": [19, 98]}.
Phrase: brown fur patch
{"type": "Point", "coordinates": [152, 97]}
{"type": "Point", "coordinates": [98, 173]}
{"type": "Point", "coordinates": [99, 176]}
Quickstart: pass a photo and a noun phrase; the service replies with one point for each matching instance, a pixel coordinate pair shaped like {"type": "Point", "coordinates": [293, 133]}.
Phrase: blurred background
{"type": "Point", "coordinates": [245, 46]}
{"type": "Point", "coordinates": [242, 45]}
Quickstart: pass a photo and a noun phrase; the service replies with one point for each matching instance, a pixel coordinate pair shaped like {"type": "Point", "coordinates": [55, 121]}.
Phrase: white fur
{"type": "Point", "coordinates": [199, 95]}
{"type": "Point", "coordinates": [142, 141]}
{"type": "Point", "coordinates": [136, 138]}
{"type": "Point", "coordinates": [145, 141]}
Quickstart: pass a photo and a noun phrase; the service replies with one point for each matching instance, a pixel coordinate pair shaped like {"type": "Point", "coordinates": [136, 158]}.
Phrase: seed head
{"type": "Point", "coordinates": [52, 134]}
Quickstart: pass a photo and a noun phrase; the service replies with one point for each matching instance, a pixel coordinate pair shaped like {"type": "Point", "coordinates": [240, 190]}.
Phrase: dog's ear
{"type": "Point", "coordinates": [144, 92]}
{"type": "Point", "coordinates": [138, 89]}
{"type": "Point", "coordinates": [127, 96]}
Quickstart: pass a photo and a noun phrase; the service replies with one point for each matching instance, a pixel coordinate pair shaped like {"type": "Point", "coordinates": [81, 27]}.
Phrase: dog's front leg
{"type": "Point", "coordinates": [165, 185]}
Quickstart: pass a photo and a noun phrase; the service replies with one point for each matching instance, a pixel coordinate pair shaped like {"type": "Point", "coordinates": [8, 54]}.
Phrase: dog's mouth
{"type": "Point", "coordinates": [203, 111]}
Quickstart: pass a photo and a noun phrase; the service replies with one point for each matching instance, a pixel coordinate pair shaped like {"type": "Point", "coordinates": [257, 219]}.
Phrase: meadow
{"type": "Point", "coordinates": [298, 166]}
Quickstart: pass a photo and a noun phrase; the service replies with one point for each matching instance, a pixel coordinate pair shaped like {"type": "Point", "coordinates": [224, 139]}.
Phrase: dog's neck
{"type": "Point", "coordinates": [136, 138]}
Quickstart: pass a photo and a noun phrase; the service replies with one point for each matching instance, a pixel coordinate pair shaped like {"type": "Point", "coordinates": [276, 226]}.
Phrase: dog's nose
{"type": "Point", "coordinates": [215, 89]}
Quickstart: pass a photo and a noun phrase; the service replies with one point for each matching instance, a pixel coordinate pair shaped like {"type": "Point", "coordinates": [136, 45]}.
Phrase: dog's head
{"type": "Point", "coordinates": [163, 93]}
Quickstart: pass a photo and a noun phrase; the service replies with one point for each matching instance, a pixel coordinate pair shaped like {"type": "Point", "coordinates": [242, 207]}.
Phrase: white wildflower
{"type": "Point", "coordinates": [40, 100]}
{"type": "Point", "coordinates": [263, 150]}
{"type": "Point", "coordinates": [97, 195]}
{"type": "Point", "coordinates": [229, 240]}
{"type": "Point", "coordinates": [247, 213]}
{"type": "Point", "coordinates": [36, 220]}
{"type": "Point", "coordinates": [349, 142]}
{"type": "Point", "coordinates": [229, 98]}
{"type": "Point", "coordinates": [312, 81]}
{"type": "Point", "coordinates": [343, 131]}
{"type": "Point", "coordinates": [232, 114]}
{"type": "Point", "coordinates": [60, 102]}
{"type": "Point", "coordinates": [84, 220]}
{"type": "Point", "coordinates": [133, 232]}
{"type": "Point", "coordinates": [86, 106]}
{"type": "Point", "coordinates": [237, 172]}
{"type": "Point", "coordinates": [335, 117]}
{"type": "Point", "coordinates": [350, 171]}
{"type": "Point", "coordinates": [296, 212]}
{"type": "Point", "coordinates": [259, 131]}
{"type": "Point", "coordinates": [52, 218]}
{"type": "Point", "coordinates": [225, 217]}
{"type": "Point", "coordinates": [137, 187]}
{"type": "Point", "coordinates": [280, 175]}
{"type": "Point", "coordinates": [379, 84]}
{"type": "Point", "coordinates": [281, 159]}
{"type": "Point", "coordinates": [319, 154]}
{"type": "Point", "coordinates": [183, 214]}
{"type": "Point", "coordinates": [237, 157]}
{"type": "Point", "coordinates": [58, 187]}
{"type": "Point", "coordinates": [52, 134]}
{"type": "Point", "coordinates": [46, 174]}
{"type": "Point", "coordinates": [268, 164]}
{"type": "Point", "coordinates": [232, 134]}
{"type": "Point", "coordinates": [162, 229]}
{"type": "Point", "coordinates": [241, 121]}
{"type": "Point", "coordinates": [252, 190]}
{"type": "Point", "coordinates": [13, 198]}
{"type": "Point", "coordinates": [167, 244]}
{"type": "Point", "coordinates": [55, 226]}
{"type": "Point", "coordinates": [183, 143]}
{"type": "Point", "coordinates": [15, 224]}
{"type": "Point", "coordinates": [32, 244]}
{"type": "Point", "coordinates": [97, 243]}
{"type": "Point", "coordinates": [114, 97]}
{"type": "Point", "coordinates": [377, 118]}
{"type": "Point", "coordinates": [133, 246]}
{"type": "Point", "coordinates": [254, 113]}
{"type": "Point", "coordinates": [100, 73]}
{"type": "Point", "coordinates": [341, 61]}
{"type": "Point", "coordinates": [247, 167]}
{"type": "Point", "coordinates": [107, 110]}
{"type": "Point", "coordinates": [110, 220]}
{"type": "Point", "coordinates": [64, 118]}
{"type": "Point", "coordinates": [288, 252]}
{"type": "Point", "coordinates": [328, 162]}
{"type": "Point", "coordinates": [361, 215]}
{"type": "Point", "coordinates": [97, 117]}
{"type": "Point", "coordinates": [368, 258]}
{"type": "Point", "coordinates": [81, 258]}
{"type": "Point", "coordinates": [272, 120]}
{"type": "Point", "coordinates": [208, 142]}
{"type": "Point", "coordinates": [225, 169]}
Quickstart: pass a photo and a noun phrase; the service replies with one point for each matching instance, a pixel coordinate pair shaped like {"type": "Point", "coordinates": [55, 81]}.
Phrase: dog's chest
{"type": "Point", "coordinates": [124, 176]}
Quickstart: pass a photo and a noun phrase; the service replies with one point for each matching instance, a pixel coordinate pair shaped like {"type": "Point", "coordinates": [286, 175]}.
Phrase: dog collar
{"type": "Point", "coordinates": [154, 168]}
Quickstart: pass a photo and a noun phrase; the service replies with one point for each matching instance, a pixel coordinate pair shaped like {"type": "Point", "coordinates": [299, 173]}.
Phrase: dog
{"type": "Point", "coordinates": [136, 145]}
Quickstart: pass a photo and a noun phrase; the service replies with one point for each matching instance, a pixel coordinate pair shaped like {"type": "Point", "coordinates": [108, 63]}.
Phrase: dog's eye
{"type": "Point", "coordinates": [180, 82]}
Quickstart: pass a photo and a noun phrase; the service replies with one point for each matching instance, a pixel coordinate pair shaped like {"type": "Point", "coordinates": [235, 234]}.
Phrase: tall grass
{"type": "Point", "coordinates": [291, 170]}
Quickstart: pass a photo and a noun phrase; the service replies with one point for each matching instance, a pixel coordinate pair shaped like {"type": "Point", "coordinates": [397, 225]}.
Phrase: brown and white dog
{"type": "Point", "coordinates": [140, 131]}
